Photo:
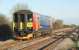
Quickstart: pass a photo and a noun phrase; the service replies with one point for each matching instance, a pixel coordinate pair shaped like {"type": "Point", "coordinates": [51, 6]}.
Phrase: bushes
{"type": "Point", "coordinates": [5, 32]}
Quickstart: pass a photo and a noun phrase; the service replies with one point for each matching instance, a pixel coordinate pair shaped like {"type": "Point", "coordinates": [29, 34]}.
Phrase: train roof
{"type": "Point", "coordinates": [22, 11]}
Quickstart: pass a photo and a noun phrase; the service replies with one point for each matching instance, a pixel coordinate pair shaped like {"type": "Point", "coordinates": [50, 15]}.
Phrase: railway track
{"type": "Point", "coordinates": [44, 44]}
{"type": "Point", "coordinates": [16, 45]}
{"type": "Point", "coordinates": [52, 44]}
{"type": "Point", "coordinates": [41, 43]}
{"type": "Point", "coordinates": [20, 45]}
{"type": "Point", "coordinates": [48, 44]}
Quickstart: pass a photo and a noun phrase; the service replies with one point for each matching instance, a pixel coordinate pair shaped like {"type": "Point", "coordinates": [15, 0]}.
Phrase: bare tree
{"type": "Point", "coordinates": [73, 25]}
{"type": "Point", "coordinates": [58, 24]}
{"type": "Point", "coordinates": [19, 6]}
{"type": "Point", "coordinates": [5, 29]}
{"type": "Point", "coordinates": [3, 19]}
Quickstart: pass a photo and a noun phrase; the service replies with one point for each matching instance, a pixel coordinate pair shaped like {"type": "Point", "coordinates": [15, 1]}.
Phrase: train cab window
{"type": "Point", "coordinates": [22, 17]}
{"type": "Point", "coordinates": [15, 18]}
{"type": "Point", "coordinates": [29, 17]}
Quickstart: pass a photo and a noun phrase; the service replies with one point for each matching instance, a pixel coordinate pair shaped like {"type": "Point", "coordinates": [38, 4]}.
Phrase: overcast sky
{"type": "Point", "coordinates": [67, 10]}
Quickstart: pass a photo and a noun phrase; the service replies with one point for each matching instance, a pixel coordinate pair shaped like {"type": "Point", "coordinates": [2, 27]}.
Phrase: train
{"type": "Point", "coordinates": [28, 24]}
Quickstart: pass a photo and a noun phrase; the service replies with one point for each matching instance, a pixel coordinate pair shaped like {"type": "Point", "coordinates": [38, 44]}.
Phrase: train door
{"type": "Point", "coordinates": [29, 24]}
{"type": "Point", "coordinates": [16, 24]}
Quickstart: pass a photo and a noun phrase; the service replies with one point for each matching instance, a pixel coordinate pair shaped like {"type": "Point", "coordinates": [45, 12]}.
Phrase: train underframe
{"type": "Point", "coordinates": [32, 35]}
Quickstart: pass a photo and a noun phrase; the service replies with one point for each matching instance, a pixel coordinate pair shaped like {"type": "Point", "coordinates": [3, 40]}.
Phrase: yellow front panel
{"type": "Point", "coordinates": [13, 26]}
{"type": "Point", "coordinates": [29, 24]}
{"type": "Point", "coordinates": [21, 25]}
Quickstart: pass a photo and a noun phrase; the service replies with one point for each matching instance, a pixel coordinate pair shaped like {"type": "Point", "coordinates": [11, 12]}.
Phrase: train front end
{"type": "Point", "coordinates": [22, 24]}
